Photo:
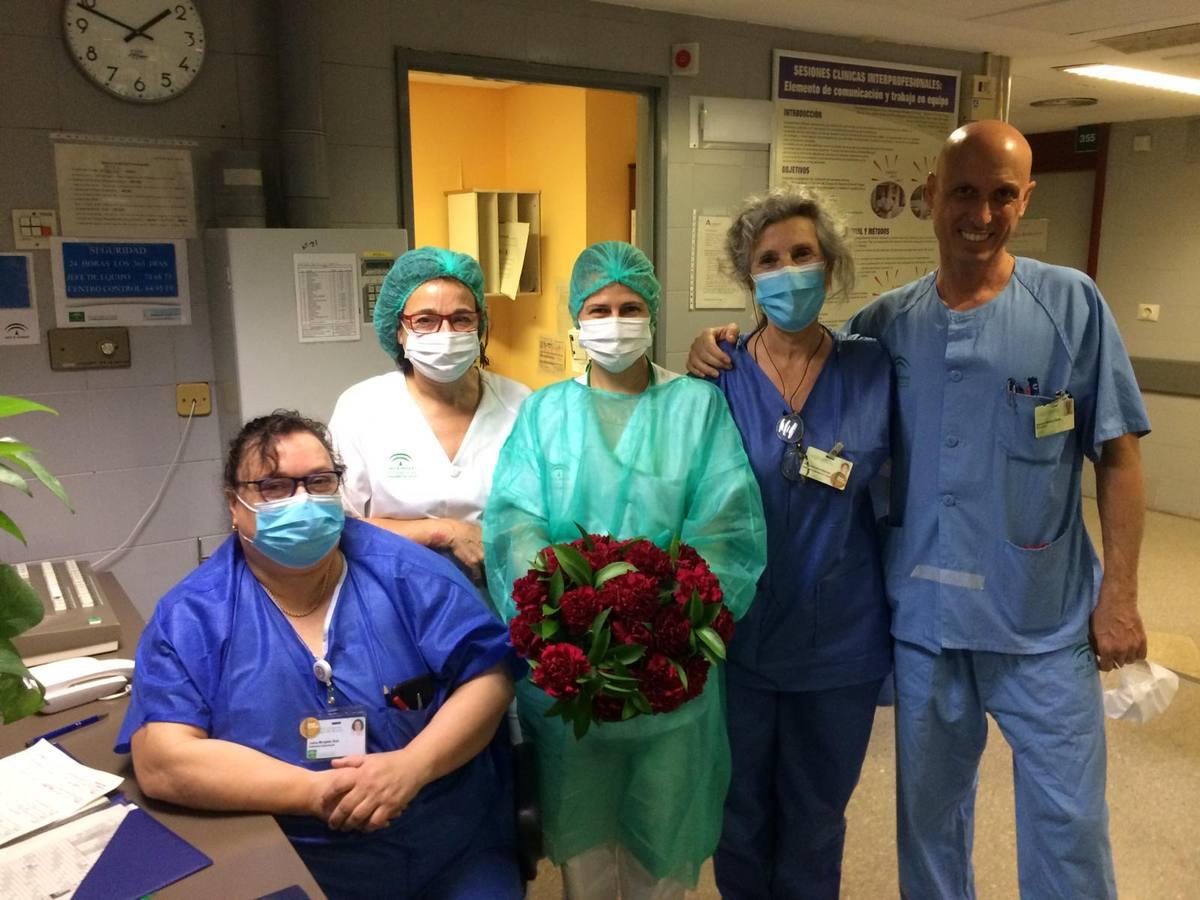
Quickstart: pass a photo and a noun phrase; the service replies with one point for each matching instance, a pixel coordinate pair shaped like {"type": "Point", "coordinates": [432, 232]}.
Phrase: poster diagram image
{"type": "Point", "coordinates": [887, 199]}
{"type": "Point", "coordinates": [919, 203]}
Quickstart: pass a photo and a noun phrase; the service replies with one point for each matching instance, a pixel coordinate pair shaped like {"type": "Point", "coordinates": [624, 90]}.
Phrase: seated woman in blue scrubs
{"type": "Point", "coordinates": [253, 671]}
{"type": "Point", "coordinates": [807, 662]}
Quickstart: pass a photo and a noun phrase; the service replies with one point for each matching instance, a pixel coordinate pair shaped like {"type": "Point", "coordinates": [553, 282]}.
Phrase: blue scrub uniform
{"type": "Point", "coordinates": [991, 573]}
{"type": "Point", "coordinates": [807, 660]}
{"type": "Point", "coordinates": [219, 655]}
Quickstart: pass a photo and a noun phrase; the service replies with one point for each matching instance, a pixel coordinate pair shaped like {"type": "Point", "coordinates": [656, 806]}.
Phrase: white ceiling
{"type": "Point", "coordinates": [1037, 35]}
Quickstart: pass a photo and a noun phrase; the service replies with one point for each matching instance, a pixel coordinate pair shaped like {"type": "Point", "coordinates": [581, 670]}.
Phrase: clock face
{"type": "Point", "coordinates": [140, 50]}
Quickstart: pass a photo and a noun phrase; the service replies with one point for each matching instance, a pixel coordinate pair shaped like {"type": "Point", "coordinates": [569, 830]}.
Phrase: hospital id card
{"type": "Point", "coordinates": [337, 732]}
{"type": "Point", "coordinates": [1054, 417]}
{"type": "Point", "coordinates": [826, 468]}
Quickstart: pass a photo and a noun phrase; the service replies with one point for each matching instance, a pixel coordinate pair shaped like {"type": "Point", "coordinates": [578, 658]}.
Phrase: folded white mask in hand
{"type": "Point", "coordinates": [1145, 690]}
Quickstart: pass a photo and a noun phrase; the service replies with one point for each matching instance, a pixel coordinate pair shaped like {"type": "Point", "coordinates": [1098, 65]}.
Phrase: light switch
{"type": "Point", "coordinates": [1147, 312]}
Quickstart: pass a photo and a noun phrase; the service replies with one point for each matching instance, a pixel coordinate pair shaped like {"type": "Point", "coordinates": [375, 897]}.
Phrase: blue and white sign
{"type": "Point", "coordinates": [18, 301]}
{"type": "Point", "coordinates": [113, 282]}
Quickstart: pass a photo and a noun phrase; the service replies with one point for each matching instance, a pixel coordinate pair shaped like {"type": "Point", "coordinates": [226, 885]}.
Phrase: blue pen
{"type": "Point", "coordinates": [66, 729]}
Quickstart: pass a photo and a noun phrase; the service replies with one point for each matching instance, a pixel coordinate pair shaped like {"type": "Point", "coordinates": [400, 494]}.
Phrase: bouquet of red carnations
{"type": "Point", "coordinates": [615, 629]}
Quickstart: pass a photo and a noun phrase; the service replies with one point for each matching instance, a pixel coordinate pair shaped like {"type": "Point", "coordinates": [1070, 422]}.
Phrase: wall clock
{"type": "Point", "coordinates": [145, 51]}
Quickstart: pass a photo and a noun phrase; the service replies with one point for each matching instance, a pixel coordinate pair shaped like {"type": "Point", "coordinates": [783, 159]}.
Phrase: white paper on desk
{"type": "Point", "coordinates": [51, 865]}
{"type": "Point", "coordinates": [514, 238]}
{"type": "Point", "coordinates": [43, 785]}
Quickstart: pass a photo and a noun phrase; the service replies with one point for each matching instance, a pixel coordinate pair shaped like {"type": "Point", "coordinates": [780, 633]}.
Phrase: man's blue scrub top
{"type": "Point", "coordinates": [820, 618]}
{"type": "Point", "coordinates": [988, 549]}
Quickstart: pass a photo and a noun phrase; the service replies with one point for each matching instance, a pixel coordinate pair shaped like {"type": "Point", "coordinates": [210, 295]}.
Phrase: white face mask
{"type": "Point", "coordinates": [615, 344]}
{"type": "Point", "coordinates": [1146, 689]}
{"type": "Point", "coordinates": [443, 356]}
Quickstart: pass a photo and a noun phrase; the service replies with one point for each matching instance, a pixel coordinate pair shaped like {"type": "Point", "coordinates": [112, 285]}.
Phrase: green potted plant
{"type": "Point", "coordinates": [20, 607]}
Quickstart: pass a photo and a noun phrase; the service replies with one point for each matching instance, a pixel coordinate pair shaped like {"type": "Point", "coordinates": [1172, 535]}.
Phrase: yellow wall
{"type": "Point", "coordinates": [611, 150]}
{"type": "Point", "coordinates": [572, 145]}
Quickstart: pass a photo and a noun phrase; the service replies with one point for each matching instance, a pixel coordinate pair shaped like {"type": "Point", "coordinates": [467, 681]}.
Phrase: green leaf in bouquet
{"type": "Point", "coordinates": [582, 724]}
{"type": "Point", "coordinates": [629, 710]}
{"type": "Point", "coordinates": [621, 690]}
{"type": "Point", "coordinates": [681, 673]}
{"type": "Point", "coordinates": [600, 642]}
{"type": "Point", "coordinates": [588, 543]}
{"type": "Point", "coordinates": [712, 641]}
{"type": "Point", "coordinates": [711, 611]}
{"type": "Point", "coordinates": [627, 654]}
{"type": "Point", "coordinates": [557, 586]}
{"type": "Point", "coordinates": [694, 609]}
{"type": "Point", "coordinates": [599, 622]}
{"type": "Point", "coordinates": [22, 609]}
{"type": "Point", "coordinates": [539, 562]}
{"type": "Point", "coordinates": [557, 708]}
{"type": "Point", "coordinates": [546, 629]}
{"type": "Point", "coordinates": [574, 564]}
{"type": "Point", "coordinates": [548, 610]}
{"type": "Point", "coordinates": [611, 571]}
{"type": "Point", "coordinates": [673, 550]}
{"type": "Point", "coordinates": [641, 704]}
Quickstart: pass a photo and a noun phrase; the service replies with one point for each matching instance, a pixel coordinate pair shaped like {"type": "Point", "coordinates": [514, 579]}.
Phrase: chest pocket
{"type": "Point", "coordinates": [1014, 428]}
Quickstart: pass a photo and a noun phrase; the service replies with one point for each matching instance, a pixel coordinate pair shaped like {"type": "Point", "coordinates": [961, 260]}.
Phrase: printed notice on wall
{"type": "Point", "coordinates": [326, 297]}
{"type": "Point", "coordinates": [514, 238]}
{"type": "Point", "coordinates": [120, 282]}
{"type": "Point", "coordinates": [866, 135]}
{"type": "Point", "coordinates": [552, 354]}
{"type": "Point", "coordinates": [122, 191]}
{"type": "Point", "coordinates": [711, 287]}
{"type": "Point", "coordinates": [18, 301]}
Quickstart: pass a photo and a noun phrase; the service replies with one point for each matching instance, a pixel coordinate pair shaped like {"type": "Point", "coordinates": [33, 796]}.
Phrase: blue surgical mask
{"type": "Point", "coordinates": [791, 297]}
{"type": "Point", "coordinates": [298, 531]}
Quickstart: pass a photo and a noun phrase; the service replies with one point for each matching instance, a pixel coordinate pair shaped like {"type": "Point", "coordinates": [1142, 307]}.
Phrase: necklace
{"type": "Point", "coordinates": [762, 342]}
{"type": "Point", "coordinates": [322, 596]}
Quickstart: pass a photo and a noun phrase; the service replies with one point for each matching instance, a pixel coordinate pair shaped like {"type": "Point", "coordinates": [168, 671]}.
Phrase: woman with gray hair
{"type": "Point", "coordinates": [806, 665]}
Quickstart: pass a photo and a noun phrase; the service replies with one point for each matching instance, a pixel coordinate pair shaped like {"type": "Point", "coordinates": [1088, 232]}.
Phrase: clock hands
{"type": "Point", "coordinates": [141, 30]}
{"type": "Point", "coordinates": [96, 12]}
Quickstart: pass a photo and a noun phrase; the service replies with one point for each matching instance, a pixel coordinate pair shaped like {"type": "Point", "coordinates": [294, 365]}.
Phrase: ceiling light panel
{"type": "Point", "coordinates": [1140, 77]}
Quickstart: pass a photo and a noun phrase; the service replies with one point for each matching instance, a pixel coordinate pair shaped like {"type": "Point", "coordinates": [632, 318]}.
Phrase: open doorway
{"type": "Point", "coordinates": [566, 162]}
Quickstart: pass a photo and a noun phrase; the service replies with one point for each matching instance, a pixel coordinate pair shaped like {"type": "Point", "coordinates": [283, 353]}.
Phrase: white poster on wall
{"type": "Point", "coordinates": [108, 282]}
{"type": "Point", "coordinates": [711, 287]}
{"type": "Point", "coordinates": [121, 191]}
{"type": "Point", "coordinates": [866, 134]}
{"type": "Point", "coordinates": [18, 301]}
{"type": "Point", "coordinates": [326, 297]}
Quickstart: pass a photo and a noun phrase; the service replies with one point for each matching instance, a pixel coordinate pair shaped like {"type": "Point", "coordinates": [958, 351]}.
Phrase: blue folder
{"type": "Point", "coordinates": [143, 856]}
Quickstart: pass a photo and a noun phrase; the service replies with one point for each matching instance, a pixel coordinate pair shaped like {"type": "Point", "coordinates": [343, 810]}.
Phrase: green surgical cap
{"type": "Point", "coordinates": [613, 261]}
{"type": "Point", "coordinates": [412, 270]}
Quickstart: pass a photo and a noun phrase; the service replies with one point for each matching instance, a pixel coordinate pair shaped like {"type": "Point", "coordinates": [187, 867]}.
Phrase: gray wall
{"type": "Point", "coordinates": [117, 430]}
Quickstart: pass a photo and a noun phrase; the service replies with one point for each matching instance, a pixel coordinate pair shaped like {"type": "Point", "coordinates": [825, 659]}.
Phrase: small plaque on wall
{"type": "Point", "coordinates": [552, 354]}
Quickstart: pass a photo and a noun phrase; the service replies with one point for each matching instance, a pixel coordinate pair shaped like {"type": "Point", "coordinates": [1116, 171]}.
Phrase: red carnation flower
{"type": "Point", "coordinates": [671, 632]}
{"type": "Point", "coordinates": [647, 559]}
{"type": "Point", "coordinates": [524, 641]}
{"type": "Point", "coordinates": [723, 625]}
{"type": "Point", "coordinates": [632, 595]}
{"type": "Point", "coordinates": [696, 668]}
{"type": "Point", "coordinates": [661, 684]}
{"type": "Point", "coordinates": [629, 632]}
{"type": "Point", "coordinates": [561, 666]}
{"type": "Point", "coordinates": [698, 578]}
{"type": "Point", "coordinates": [688, 555]}
{"type": "Point", "coordinates": [529, 592]}
{"type": "Point", "coordinates": [578, 607]}
{"type": "Point", "coordinates": [604, 550]}
{"type": "Point", "coordinates": [607, 709]}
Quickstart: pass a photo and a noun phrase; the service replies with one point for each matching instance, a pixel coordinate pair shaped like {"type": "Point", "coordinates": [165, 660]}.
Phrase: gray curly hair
{"type": "Point", "coordinates": [777, 205]}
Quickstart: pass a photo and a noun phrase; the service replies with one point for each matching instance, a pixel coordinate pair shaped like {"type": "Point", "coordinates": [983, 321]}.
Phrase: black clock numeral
{"type": "Point", "coordinates": [82, 24]}
{"type": "Point", "coordinates": [191, 38]}
{"type": "Point", "coordinates": [184, 65]}
{"type": "Point", "coordinates": [166, 79]}
{"type": "Point", "coordinates": [181, 13]}
{"type": "Point", "coordinates": [91, 54]}
{"type": "Point", "coordinates": [112, 70]}
{"type": "Point", "coordinates": [139, 85]}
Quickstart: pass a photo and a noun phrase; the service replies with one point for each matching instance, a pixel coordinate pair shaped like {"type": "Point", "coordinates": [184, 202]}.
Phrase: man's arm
{"type": "Point", "coordinates": [1117, 634]}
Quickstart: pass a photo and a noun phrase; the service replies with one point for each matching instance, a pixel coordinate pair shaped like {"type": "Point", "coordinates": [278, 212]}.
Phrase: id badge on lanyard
{"type": "Point", "coordinates": [336, 731]}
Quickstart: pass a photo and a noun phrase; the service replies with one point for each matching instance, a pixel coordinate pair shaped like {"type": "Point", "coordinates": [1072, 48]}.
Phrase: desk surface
{"type": "Point", "coordinates": [250, 855]}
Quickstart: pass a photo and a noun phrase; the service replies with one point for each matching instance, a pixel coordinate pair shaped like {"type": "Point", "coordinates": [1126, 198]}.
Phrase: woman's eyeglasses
{"type": "Point", "coordinates": [428, 322]}
{"type": "Point", "coordinates": [280, 487]}
{"type": "Point", "coordinates": [790, 429]}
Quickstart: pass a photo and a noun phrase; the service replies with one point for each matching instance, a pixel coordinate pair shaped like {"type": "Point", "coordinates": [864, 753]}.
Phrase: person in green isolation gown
{"type": "Point", "coordinates": [629, 449]}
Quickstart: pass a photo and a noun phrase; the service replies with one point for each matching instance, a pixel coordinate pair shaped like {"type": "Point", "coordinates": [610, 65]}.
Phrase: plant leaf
{"type": "Point", "coordinates": [12, 479]}
{"type": "Point", "coordinates": [694, 610]}
{"type": "Point", "coordinates": [10, 526]}
{"type": "Point", "coordinates": [14, 406]}
{"type": "Point", "coordinates": [611, 571]}
{"type": "Point", "coordinates": [582, 723]}
{"type": "Point", "coordinates": [547, 628]}
{"type": "Point", "coordinates": [12, 447]}
{"type": "Point", "coordinates": [627, 654]}
{"type": "Point", "coordinates": [43, 475]}
{"type": "Point", "coordinates": [642, 704]}
{"type": "Point", "coordinates": [20, 694]}
{"type": "Point", "coordinates": [598, 622]}
{"type": "Point", "coordinates": [588, 543]}
{"type": "Point", "coordinates": [599, 647]}
{"type": "Point", "coordinates": [557, 708]}
{"type": "Point", "coordinates": [628, 711]}
{"type": "Point", "coordinates": [682, 674]}
{"type": "Point", "coordinates": [576, 566]}
{"type": "Point", "coordinates": [21, 608]}
{"type": "Point", "coordinates": [712, 641]}
{"type": "Point", "coordinates": [673, 551]}
{"type": "Point", "coordinates": [556, 586]}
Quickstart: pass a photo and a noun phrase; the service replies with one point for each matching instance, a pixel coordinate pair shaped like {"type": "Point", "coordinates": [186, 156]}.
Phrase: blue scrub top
{"type": "Point", "coordinates": [820, 617]}
{"type": "Point", "coordinates": [988, 549]}
{"type": "Point", "coordinates": [218, 654]}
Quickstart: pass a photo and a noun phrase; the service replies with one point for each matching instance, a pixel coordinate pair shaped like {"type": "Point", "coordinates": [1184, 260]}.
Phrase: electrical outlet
{"type": "Point", "coordinates": [1147, 312]}
{"type": "Point", "coordinates": [194, 391]}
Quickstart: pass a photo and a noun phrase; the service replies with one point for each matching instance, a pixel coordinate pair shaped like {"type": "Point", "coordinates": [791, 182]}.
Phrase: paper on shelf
{"type": "Point", "coordinates": [514, 238]}
{"type": "Point", "coordinates": [50, 866]}
{"type": "Point", "coordinates": [43, 785]}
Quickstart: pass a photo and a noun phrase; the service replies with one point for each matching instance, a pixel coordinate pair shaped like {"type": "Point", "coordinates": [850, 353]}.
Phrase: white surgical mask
{"type": "Point", "coordinates": [614, 343]}
{"type": "Point", "coordinates": [1146, 689]}
{"type": "Point", "coordinates": [443, 356]}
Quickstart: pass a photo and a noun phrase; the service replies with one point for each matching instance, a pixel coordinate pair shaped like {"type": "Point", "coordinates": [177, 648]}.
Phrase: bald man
{"type": "Point", "coordinates": [1008, 373]}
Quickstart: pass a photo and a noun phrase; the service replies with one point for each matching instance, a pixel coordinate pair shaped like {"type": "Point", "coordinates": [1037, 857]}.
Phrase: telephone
{"type": "Point", "coordinates": [73, 682]}
{"type": "Point", "coordinates": [78, 618]}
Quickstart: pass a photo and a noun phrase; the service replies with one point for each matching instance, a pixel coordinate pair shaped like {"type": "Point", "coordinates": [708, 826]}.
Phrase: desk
{"type": "Point", "coordinates": [250, 854]}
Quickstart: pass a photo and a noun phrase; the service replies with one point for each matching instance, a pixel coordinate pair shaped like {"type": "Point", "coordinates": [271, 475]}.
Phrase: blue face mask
{"type": "Point", "coordinates": [791, 297]}
{"type": "Point", "coordinates": [298, 531]}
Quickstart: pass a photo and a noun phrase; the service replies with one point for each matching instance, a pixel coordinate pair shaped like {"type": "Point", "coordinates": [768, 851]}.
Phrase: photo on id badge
{"type": "Point", "coordinates": [335, 733]}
